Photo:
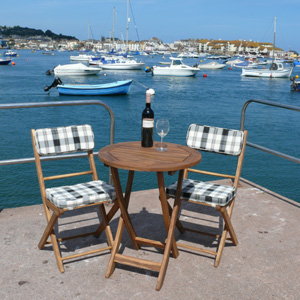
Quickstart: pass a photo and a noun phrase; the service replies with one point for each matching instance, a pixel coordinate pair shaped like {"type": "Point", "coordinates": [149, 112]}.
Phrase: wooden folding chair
{"type": "Point", "coordinates": [58, 200]}
{"type": "Point", "coordinates": [222, 197]}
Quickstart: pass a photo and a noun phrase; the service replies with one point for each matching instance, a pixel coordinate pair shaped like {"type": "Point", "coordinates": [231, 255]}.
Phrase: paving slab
{"type": "Point", "coordinates": [264, 265]}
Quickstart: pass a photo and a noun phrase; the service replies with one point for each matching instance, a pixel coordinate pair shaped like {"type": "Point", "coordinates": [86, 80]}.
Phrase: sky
{"type": "Point", "coordinates": [164, 19]}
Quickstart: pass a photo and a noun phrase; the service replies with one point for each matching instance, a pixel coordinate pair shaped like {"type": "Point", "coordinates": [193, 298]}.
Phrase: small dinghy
{"type": "Point", "coordinates": [112, 88]}
{"type": "Point", "coordinates": [295, 86]}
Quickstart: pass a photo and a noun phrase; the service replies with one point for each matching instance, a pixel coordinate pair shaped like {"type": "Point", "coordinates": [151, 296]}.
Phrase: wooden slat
{"type": "Point", "coordinates": [211, 173]}
{"type": "Point", "coordinates": [196, 249]}
{"type": "Point", "coordinates": [137, 262]}
{"type": "Point", "coordinates": [86, 253]}
{"type": "Point", "coordinates": [67, 175]}
{"type": "Point", "coordinates": [151, 243]}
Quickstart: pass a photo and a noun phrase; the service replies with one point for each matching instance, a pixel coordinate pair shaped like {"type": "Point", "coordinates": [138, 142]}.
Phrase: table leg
{"type": "Point", "coordinates": [123, 204]}
{"type": "Point", "coordinates": [170, 237]}
{"type": "Point", "coordinates": [165, 209]}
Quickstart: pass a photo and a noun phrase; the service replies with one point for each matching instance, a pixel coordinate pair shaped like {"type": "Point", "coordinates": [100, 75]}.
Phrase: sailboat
{"type": "Point", "coordinates": [276, 70]}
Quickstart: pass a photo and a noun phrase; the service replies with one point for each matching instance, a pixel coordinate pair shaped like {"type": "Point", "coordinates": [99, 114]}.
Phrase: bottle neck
{"type": "Point", "coordinates": [148, 100]}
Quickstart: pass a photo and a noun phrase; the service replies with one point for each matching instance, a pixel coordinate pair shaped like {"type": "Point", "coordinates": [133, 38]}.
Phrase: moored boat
{"type": "Point", "coordinates": [81, 57]}
{"type": "Point", "coordinates": [276, 70]}
{"type": "Point", "coordinates": [10, 53]}
{"type": "Point", "coordinates": [75, 70]}
{"type": "Point", "coordinates": [112, 88]}
{"type": "Point", "coordinates": [234, 61]}
{"type": "Point", "coordinates": [177, 68]}
{"type": "Point", "coordinates": [121, 64]}
{"type": "Point", "coordinates": [4, 61]}
{"type": "Point", "coordinates": [296, 64]}
{"type": "Point", "coordinates": [214, 65]}
{"type": "Point", "coordinates": [295, 86]}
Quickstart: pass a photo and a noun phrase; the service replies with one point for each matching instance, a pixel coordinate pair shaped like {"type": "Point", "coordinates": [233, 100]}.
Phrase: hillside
{"type": "Point", "coordinates": [30, 32]}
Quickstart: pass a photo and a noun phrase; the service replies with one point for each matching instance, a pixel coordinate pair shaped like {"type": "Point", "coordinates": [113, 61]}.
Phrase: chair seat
{"type": "Point", "coordinates": [72, 196]}
{"type": "Point", "coordinates": [204, 192]}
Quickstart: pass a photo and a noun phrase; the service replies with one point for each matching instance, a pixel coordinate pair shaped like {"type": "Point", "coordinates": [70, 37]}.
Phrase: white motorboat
{"type": "Point", "coordinates": [10, 53]}
{"type": "Point", "coordinates": [121, 64]}
{"type": "Point", "coordinates": [277, 70]}
{"type": "Point", "coordinates": [75, 69]}
{"type": "Point", "coordinates": [177, 68]}
{"type": "Point", "coordinates": [81, 57]}
{"type": "Point", "coordinates": [188, 55]}
{"type": "Point", "coordinates": [214, 65]}
{"type": "Point", "coordinates": [233, 62]}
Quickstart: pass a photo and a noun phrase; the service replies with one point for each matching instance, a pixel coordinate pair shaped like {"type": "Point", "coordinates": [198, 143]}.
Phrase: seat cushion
{"type": "Point", "coordinates": [72, 196]}
{"type": "Point", "coordinates": [205, 192]}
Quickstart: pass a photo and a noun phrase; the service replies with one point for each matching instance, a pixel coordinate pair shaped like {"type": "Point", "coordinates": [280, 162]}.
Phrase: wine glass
{"type": "Point", "coordinates": [162, 129]}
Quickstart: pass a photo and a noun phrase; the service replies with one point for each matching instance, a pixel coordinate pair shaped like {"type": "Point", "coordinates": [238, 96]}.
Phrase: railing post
{"type": "Point", "coordinates": [275, 104]}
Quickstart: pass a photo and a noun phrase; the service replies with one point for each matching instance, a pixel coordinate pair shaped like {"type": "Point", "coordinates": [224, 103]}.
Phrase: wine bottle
{"type": "Point", "coordinates": [147, 123]}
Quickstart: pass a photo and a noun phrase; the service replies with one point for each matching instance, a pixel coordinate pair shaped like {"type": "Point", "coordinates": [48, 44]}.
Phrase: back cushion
{"type": "Point", "coordinates": [60, 140]}
{"type": "Point", "coordinates": [215, 139]}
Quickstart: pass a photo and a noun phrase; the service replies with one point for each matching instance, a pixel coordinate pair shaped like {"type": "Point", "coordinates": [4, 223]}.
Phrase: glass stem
{"type": "Point", "coordinates": [161, 142]}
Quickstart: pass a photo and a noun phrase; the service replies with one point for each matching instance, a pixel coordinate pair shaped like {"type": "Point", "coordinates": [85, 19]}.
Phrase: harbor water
{"type": "Point", "coordinates": [216, 100]}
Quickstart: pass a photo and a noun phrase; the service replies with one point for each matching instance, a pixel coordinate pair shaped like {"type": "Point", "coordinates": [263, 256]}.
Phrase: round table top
{"type": "Point", "coordinates": [132, 156]}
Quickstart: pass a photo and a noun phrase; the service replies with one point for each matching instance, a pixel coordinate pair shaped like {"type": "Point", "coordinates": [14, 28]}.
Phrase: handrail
{"type": "Point", "coordinates": [60, 103]}
{"type": "Point", "coordinates": [275, 104]}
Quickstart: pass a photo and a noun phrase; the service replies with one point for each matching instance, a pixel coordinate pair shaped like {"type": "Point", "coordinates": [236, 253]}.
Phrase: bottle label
{"type": "Point", "coordinates": [148, 123]}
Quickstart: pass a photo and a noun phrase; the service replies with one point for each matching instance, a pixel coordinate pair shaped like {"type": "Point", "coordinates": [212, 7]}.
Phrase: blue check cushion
{"type": "Point", "coordinates": [72, 196]}
{"type": "Point", "coordinates": [215, 139]}
{"type": "Point", "coordinates": [200, 191]}
{"type": "Point", "coordinates": [61, 140]}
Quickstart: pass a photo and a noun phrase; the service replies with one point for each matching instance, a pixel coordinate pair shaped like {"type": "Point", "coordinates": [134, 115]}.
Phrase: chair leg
{"type": "Point", "coordinates": [227, 228]}
{"type": "Point", "coordinates": [228, 225]}
{"type": "Point", "coordinates": [108, 233]}
{"type": "Point", "coordinates": [48, 230]}
{"type": "Point", "coordinates": [110, 215]}
{"type": "Point", "coordinates": [178, 223]}
{"type": "Point", "coordinates": [57, 252]}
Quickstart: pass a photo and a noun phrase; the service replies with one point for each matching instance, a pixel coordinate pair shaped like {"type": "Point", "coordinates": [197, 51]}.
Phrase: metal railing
{"type": "Point", "coordinates": [275, 104]}
{"type": "Point", "coordinates": [60, 103]}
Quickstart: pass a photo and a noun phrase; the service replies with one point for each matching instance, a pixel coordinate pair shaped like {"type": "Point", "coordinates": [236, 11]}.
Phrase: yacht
{"type": "Point", "coordinates": [213, 65]}
{"type": "Point", "coordinates": [117, 63]}
{"type": "Point", "coordinates": [81, 57]}
{"type": "Point", "coordinates": [75, 69]}
{"type": "Point", "coordinates": [177, 68]}
{"type": "Point", "coordinates": [276, 70]}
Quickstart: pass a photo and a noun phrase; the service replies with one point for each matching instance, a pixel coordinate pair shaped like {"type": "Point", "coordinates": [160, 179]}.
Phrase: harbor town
{"type": "Point", "coordinates": [191, 47]}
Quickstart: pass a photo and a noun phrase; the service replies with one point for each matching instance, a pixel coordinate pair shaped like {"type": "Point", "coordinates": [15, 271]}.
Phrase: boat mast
{"type": "Point", "coordinates": [88, 35]}
{"type": "Point", "coordinates": [114, 29]}
{"type": "Point", "coordinates": [273, 56]}
{"type": "Point", "coordinates": [128, 20]}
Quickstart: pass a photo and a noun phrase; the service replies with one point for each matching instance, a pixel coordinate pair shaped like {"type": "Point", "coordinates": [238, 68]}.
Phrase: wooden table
{"type": "Point", "coordinates": [131, 156]}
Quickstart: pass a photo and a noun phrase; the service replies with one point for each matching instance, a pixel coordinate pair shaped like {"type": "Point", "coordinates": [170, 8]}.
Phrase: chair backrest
{"type": "Point", "coordinates": [215, 139]}
{"type": "Point", "coordinates": [63, 140]}
{"type": "Point", "coordinates": [218, 140]}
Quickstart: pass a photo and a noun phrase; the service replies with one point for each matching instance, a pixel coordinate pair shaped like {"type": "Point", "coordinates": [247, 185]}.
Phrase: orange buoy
{"type": "Point", "coordinates": [13, 63]}
{"type": "Point", "coordinates": [229, 68]}
{"type": "Point", "coordinates": [204, 75]}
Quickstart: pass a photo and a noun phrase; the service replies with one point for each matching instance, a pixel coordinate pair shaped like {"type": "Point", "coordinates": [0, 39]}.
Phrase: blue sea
{"type": "Point", "coordinates": [216, 100]}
